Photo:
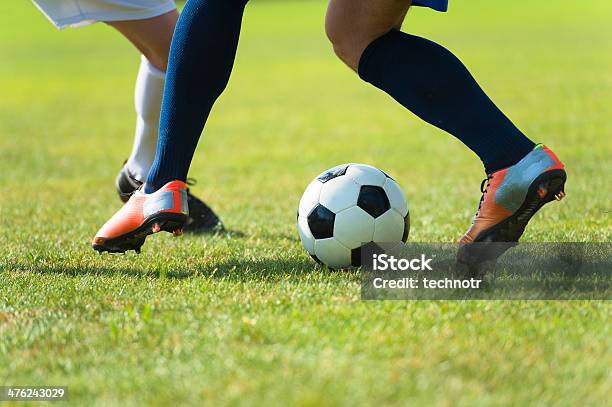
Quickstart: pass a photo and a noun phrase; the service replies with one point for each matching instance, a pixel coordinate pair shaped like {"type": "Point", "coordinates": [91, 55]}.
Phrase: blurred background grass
{"type": "Point", "coordinates": [292, 110]}
{"type": "Point", "coordinates": [247, 318]}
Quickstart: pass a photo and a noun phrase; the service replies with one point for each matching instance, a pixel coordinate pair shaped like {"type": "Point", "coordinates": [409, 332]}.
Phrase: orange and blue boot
{"type": "Point", "coordinates": [511, 197]}
{"type": "Point", "coordinates": [142, 215]}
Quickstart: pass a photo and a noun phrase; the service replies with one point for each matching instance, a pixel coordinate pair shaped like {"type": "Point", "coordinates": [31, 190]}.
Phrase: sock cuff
{"type": "Point", "coordinates": [364, 70]}
{"type": "Point", "coordinates": [152, 70]}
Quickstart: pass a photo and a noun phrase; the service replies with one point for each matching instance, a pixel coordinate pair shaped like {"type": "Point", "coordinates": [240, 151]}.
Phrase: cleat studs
{"type": "Point", "coordinates": [177, 232]}
{"type": "Point", "coordinates": [156, 228]}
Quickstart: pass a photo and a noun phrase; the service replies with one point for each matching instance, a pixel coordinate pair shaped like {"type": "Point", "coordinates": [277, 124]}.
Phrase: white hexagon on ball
{"type": "Point", "coordinates": [339, 193]}
{"type": "Point", "coordinates": [354, 227]}
{"type": "Point", "coordinates": [306, 236]}
{"type": "Point", "coordinates": [396, 197]}
{"type": "Point", "coordinates": [310, 199]}
{"type": "Point", "coordinates": [389, 227]}
{"type": "Point", "coordinates": [364, 174]}
{"type": "Point", "coordinates": [333, 253]}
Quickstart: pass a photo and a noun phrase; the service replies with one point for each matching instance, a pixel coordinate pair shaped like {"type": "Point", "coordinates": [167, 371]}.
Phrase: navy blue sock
{"type": "Point", "coordinates": [432, 83]}
{"type": "Point", "coordinates": [201, 60]}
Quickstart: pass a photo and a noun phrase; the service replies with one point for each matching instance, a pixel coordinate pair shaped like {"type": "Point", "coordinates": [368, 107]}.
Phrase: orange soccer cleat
{"type": "Point", "coordinates": [202, 219]}
{"type": "Point", "coordinates": [142, 215]}
{"type": "Point", "coordinates": [513, 195]}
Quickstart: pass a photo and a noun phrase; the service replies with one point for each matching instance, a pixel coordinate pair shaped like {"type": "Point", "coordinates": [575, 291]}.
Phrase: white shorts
{"type": "Point", "coordinates": [76, 13]}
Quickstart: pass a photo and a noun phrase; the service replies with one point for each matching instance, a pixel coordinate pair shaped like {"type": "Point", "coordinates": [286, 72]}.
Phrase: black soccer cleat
{"type": "Point", "coordinates": [202, 219]}
{"type": "Point", "coordinates": [126, 184]}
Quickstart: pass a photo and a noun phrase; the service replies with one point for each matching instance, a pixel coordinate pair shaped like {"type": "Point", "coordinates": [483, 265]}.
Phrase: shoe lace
{"type": "Point", "coordinates": [484, 187]}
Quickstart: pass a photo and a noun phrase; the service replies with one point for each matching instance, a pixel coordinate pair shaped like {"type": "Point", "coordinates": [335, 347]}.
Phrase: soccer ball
{"type": "Point", "coordinates": [347, 207]}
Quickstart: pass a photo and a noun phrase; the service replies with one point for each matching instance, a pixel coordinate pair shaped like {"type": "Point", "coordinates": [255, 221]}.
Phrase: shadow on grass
{"type": "Point", "coordinates": [225, 233]}
{"type": "Point", "coordinates": [239, 270]}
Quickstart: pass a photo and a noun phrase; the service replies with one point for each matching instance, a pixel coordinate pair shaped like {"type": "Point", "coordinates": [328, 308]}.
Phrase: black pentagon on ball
{"type": "Point", "coordinates": [321, 222]}
{"type": "Point", "coordinates": [368, 250]}
{"type": "Point", "coordinates": [356, 257]}
{"type": "Point", "coordinates": [373, 200]}
{"type": "Point", "coordinates": [335, 172]}
{"type": "Point", "coordinates": [406, 227]}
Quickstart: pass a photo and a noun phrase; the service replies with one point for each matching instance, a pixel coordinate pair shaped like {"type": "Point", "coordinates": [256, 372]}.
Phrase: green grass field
{"type": "Point", "coordinates": [247, 318]}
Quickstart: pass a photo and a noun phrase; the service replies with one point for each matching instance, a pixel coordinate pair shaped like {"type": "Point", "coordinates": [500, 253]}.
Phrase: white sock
{"type": "Point", "coordinates": [147, 100]}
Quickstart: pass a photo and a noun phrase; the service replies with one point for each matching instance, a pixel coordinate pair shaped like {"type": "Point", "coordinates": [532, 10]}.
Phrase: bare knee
{"type": "Point", "coordinates": [347, 44]}
{"type": "Point", "coordinates": [157, 47]}
{"type": "Point", "coordinates": [352, 25]}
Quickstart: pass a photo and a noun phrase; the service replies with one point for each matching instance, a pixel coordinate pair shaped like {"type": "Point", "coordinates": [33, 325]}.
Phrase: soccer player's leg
{"type": "Point", "coordinates": [149, 26]}
{"type": "Point", "coordinates": [201, 60]}
{"type": "Point", "coordinates": [152, 37]}
{"type": "Point", "coordinates": [431, 82]}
